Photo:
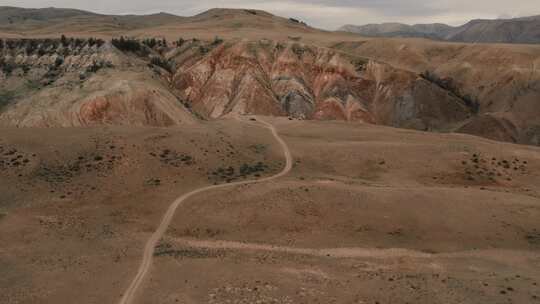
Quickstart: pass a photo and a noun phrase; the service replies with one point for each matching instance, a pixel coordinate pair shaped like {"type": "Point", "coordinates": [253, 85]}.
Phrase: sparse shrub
{"type": "Point", "coordinates": [78, 43]}
{"type": "Point", "coordinates": [41, 52]}
{"type": "Point", "coordinates": [6, 67]}
{"type": "Point", "coordinates": [160, 62]}
{"type": "Point", "coordinates": [93, 41]}
{"type": "Point", "coordinates": [449, 85]}
{"type": "Point", "coordinates": [180, 42]}
{"type": "Point", "coordinates": [31, 46]}
{"type": "Point", "coordinates": [98, 65]}
{"type": "Point", "coordinates": [150, 42]}
{"type": "Point", "coordinates": [298, 50]}
{"type": "Point", "coordinates": [203, 49]}
{"type": "Point", "coordinates": [217, 41]}
{"type": "Point", "coordinates": [58, 61]}
{"type": "Point", "coordinates": [64, 41]}
{"type": "Point", "coordinates": [164, 43]}
{"type": "Point", "coordinates": [126, 44]}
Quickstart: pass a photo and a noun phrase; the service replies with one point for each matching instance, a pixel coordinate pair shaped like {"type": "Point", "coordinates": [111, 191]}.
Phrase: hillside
{"type": "Point", "coordinates": [504, 79]}
{"type": "Point", "coordinates": [228, 61]}
{"type": "Point", "coordinates": [213, 79]}
{"type": "Point", "coordinates": [81, 83]}
{"type": "Point", "coordinates": [33, 22]}
{"type": "Point", "coordinates": [518, 30]}
{"type": "Point", "coordinates": [435, 31]}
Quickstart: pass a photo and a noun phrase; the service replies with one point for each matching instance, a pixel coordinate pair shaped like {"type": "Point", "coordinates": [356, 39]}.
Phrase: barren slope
{"type": "Point", "coordinates": [78, 84]}
{"type": "Point", "coordinates": [303, 81]}
{"type": "Point", "coordinates": [324, 233]}
{"type": "Point", "coordinates": [503, 79]}
{"type": "Point", "coordinates": [55, 21]}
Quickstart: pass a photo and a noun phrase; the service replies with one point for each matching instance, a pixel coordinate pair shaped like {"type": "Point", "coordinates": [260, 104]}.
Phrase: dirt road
{"type": "Point", "coordinates": [149, 249]}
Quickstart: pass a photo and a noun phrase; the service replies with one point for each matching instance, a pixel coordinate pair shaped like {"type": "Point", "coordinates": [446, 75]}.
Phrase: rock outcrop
{"type": "Point", "coordinates": [294, 79]}
{"type": "Point", "coordinates": [68, 85]}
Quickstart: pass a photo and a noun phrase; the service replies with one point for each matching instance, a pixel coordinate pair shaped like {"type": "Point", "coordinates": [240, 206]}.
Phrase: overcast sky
{"type": "Point", "coordinates": [327, 14]}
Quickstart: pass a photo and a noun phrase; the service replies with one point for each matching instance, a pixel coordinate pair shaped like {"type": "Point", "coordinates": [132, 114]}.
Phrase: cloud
{"type": "Point", "coordinates": [320, 13]}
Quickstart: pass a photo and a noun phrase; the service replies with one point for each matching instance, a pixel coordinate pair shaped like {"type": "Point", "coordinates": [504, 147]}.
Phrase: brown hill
{"type": "Point", "coordinates": [44, 85]}
{"type": "Point", "coordinates": [55, 21]}
{"type": "Point", "coordinates": [294, 79]}
{"type": "Point", "coordinates": [82, 84]}
{"type": "Point", "coordinates": [504, 79]}
{"type": "Point", "coordinates": [488, 89]}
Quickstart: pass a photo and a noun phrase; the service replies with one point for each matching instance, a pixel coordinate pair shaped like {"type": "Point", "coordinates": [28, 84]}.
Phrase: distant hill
{"type": "Point", "coordinates": [517, 30]}
{"type": "Point", "coordinates": [223, 22]}
{"type": "Point", "coordinates": [25, 20]}
{"type": "Point", "coordinates": [433, 31]}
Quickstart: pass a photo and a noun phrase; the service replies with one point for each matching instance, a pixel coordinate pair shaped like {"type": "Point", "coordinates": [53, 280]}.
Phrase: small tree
{"type": "Point", "coordinates": [64, 41]}
{"type": "Point", "coordinates": [217, 41]}
{"type": "Point", "coordinates": [180, 42]}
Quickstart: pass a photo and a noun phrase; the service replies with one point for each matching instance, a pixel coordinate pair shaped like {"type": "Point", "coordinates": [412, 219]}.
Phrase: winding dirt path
{"type": "Point", "coordinates": [150, 246]}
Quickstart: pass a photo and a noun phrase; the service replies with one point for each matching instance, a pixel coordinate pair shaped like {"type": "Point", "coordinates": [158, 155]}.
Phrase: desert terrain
{"type": "Point", "coordinates": [360, 218]}
{"type": "Point", "coordinates": [240, 157]}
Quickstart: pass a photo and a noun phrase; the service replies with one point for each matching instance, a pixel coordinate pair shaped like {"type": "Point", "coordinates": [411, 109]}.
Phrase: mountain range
{"type": "Point", "coordinates": [517, 30]}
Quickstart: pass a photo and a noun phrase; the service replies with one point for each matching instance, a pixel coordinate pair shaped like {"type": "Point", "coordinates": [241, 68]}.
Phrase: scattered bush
{"type": "Point", "coordinates": [127, 44]}
{"type": "Point", "coordinates": [150, 42]}
{"type": "Point", "coordinates": [179, 42]}
{"type": "Point", "coordinates": [160, 62]}
{"type": "Point", "coordinates": [449, 85]}
{"type": "Point", "coordinates": [98, 65]}
{"type": "Point", "coordinates": [217, 41]}
{"type": "Point", "coordinates": [64, 41]}
{"type": "Point", "coordinates": [203, 49]}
